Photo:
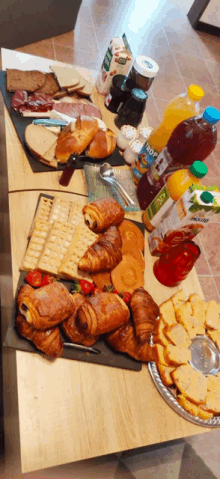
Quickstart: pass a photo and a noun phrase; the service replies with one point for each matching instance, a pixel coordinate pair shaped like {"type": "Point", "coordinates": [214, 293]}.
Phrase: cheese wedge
{"type": "Point", "coordinates": [66, 77]}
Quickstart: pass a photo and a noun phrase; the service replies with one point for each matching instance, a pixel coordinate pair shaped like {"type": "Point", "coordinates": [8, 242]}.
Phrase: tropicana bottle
{"type": "Point", "coordinates": [180, 108]}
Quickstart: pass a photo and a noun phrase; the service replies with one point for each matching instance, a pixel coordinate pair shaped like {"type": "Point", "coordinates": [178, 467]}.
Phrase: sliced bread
{"type": "Point", "coordinates": [24, 80]}
{"type": "Point", "coordinates": [66, 77]}
{"type": "Point", "coordinates": [40, 141]}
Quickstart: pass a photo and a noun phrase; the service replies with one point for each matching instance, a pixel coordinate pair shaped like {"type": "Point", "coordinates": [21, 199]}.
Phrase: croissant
{"type": "Point", "coordinates": [45, 307]}
{"type": "Point", "coordinates": [104, 254]}
{"type": "Point", "coordinates": [145, 312]}
{"type": "Point", "coordinates": [102, 213]}
{"type": "Point", "coordinates": [125, 341]}
{"type": "Point", "coordinates": [102, 313]}
{"type": "Point", "coordinates": [70, 328]}
{"type": "Point", "coordinates": [47, 341]}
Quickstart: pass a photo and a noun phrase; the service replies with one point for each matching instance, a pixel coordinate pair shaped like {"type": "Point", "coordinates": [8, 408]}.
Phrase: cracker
{"type": "Point", "coordinates": [82, 239]}
{"type": "Point", "coordinates": [60, 210]}
{"type": "Point", "coordinates": [36, 245]}
{"type": "Point", "coordinates": [75, 214]}
{"type": "Point", "coordinates": [42, 213]}
{"type": "Point", "coordinates": [56, 246]}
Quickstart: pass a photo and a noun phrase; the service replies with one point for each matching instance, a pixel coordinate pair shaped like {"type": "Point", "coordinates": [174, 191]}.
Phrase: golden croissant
{"type": "Point", "coordinates": [45, 307]}
{"type": "Point", "coordinates": [104, 254]}
{"type": "Point", "coordinates": [145, 312]}
{"type": "Point", "coordinates": [70, 328]}
{"type": "Point", "coordinates": [102, 313]}
{"type": "Point", "coordinates": [125, 341]}
{"type": "Point", "coordinates": [102, 213]}
{"type": "Point", "coordinates": [47, 341]}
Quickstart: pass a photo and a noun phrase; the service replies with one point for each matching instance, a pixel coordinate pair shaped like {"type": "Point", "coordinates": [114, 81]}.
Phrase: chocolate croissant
{"type": "Point", "coordinates": [145, 312]}
{"type": "Point", "coordinates": [104, 254]}
{"type": "Point", "coordinates": [102, 313]}
{"type": "Point", "coordinates": [70, 328]}
{"type": "Point", "coordinates": [47, 341]}
{"type": "Point", "coordinates": [125, 341]}
{"type": "Point", "coordinates": [102, 213]}
{"type": "Point", "coordinates": [45, 307]}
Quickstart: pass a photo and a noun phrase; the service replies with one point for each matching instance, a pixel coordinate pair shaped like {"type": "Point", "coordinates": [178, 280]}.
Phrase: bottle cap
{"type": "Point", "coordinates": [206, 197]}
{"type": "Point", "coordinates": [195, 92]}
{"type": "Point", "coordinates": [139, 94]}
{"type": "Point", "coordinates": [146, 66]}
{"type": "Point", "coordinates": [199, 169]}
{"type": "Point", "coordinates": [212, 115]}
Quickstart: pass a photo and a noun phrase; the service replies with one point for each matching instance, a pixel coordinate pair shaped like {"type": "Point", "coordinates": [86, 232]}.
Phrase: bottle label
{"type": "Point", "coordinates": [147, 154]}
{"type": "Point", "coordinates": [108, 99]}
{"type": "Point", "coordinates": [159, 207]}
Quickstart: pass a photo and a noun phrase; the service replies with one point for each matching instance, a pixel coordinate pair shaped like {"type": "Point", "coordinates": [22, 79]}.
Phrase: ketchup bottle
{"type": "Point", "coordinates": [174, 266]}
{"type": "Point", "coordinates": [193, 139]}
{"type": "Point", "coordinates": [68, 170]}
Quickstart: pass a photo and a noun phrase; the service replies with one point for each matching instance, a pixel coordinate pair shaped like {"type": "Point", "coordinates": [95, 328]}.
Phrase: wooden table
{"type": "Point", "coordinates": [70, 410]}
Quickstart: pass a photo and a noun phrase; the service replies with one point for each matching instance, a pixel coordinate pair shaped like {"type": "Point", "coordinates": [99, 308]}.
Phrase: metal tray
{"type": "Point", "coordinates": [173, 403]}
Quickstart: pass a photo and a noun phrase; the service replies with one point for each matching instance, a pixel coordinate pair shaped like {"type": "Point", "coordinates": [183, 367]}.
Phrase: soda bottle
{"type": "Point", "coordinates": [193, 139]}
{"type": "Point", "coordinates": [180, 108]}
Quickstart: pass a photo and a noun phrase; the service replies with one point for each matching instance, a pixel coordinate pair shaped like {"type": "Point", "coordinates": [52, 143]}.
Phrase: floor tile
{"type": "Point", "coordinates": [193, 465]}
{"type": "Point", "coordinates": [209, 45]}
{"type": "Point", "coordinates": [122, 472]}
{"type": "Point", "coordinates": [194, 68]}
{"type": "Point", "coordinates": [161, 106]}
{"type": "Point", "coordinates": [77, 57]}
{"type": "Point", "coordinates": [84, 14]}
{"type": "Point", "coordinates": [160, 463]}
{"type": "Point", "coordinates": [214, 70]}
{"type": "Point", "coordinates": [206, 446]}
{"type": "Point", "coordinates": [84, 39]}
{"type": "Point", "coordinates": [209, 288]}
{"type": "Point", "coordinates": [66, 40]}
{"type": "Point", "coordinates": [44, 49]}
{"type": "Point", "coordinates": [152, 113]}
{"type": "Point", "coordinates": [201, 265]}
{"type": "Point", "coordinates": [182, 38]}
{"type": "Point", "coordinates": [210, 240]}
{"type": "Point", "coordinates": [167, 91]}
{"type": "Point", "coordinates": [64, 54]}
{"type": "Point", "coordinates": [217, 283]}
{"type": "Point", "coordinates": [213, 171]}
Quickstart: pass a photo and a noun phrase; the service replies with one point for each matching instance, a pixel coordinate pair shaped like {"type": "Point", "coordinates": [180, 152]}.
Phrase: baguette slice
{"type": "Point", "coordinates": [41, 142]}
{"type": "Point", "coordinates": [24, 80]}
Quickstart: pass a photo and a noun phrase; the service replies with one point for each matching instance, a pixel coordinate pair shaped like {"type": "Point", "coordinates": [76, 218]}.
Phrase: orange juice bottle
{"type": "Point", "coordinates": [175, 187]}
{"type": "Point", "coordinates": [180, 108]}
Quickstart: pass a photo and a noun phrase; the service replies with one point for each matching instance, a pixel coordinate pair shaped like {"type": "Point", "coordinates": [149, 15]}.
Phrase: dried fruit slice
{"type": "Point", "coordinates": [128, 275]}
{"type": "Point", "coordinates": [128, 248]}
{"type": "Point", "coordinates": [130, 232]}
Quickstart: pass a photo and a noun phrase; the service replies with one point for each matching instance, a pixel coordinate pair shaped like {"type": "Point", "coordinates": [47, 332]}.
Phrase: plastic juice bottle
{"type": "Point", "coordinates": [176, 185]}
{"type": "Point", "coordinates": [180, 108]}
{"type": "Point", "coordinates": [192, 139]}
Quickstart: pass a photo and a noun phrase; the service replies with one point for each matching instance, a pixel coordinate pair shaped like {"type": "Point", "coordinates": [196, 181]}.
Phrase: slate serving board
{"type": "Point", "coordinates": [20, 123]}
{"type": "Point", "coordinates": [107, 357]}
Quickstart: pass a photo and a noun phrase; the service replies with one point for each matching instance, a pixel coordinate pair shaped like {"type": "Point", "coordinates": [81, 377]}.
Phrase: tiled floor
{"type": "Point", "coordinates": [161, 30]}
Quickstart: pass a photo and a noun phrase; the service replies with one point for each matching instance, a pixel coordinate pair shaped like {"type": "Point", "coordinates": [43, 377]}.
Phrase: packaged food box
{"type": "Point", "coordinates": [186, 218]}
{"type": "Point", "coordinates": [117, 61]}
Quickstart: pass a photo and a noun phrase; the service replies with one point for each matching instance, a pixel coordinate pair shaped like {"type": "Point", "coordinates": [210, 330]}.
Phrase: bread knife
{"type": "Point", "coordinates": [81, 347]}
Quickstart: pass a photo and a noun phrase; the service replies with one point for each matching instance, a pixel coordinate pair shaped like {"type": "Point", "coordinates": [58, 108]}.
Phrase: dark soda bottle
{"type": "Point", "coordinates": [193, 139]}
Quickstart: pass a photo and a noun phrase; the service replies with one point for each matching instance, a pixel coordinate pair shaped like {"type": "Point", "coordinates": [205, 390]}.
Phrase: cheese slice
{"type": "Point", "coordinates": [66, 77]}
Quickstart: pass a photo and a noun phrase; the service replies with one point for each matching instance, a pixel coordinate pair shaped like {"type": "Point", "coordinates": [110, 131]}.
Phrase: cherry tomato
{"type": "Point", "coordinates": [47, 279]}
{"type": "Point", "coordinates": [97, 291]}
{"type": "Point", "coordinates": [34, 278]}
{"type": "Point", "coordinates": [126, 298]}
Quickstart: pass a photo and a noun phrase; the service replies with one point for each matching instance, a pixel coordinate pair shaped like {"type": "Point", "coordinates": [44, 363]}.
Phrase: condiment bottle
{"type": "Point", "coordinates": [175, 187]}
{"type": "Point", "coordinates": [174, 266]}
{"type": "Point", "coordinates": [180, 108]}
{"type": "Point", "coordinates": [193, 138]}
{"type": "Point", "coordinates": [131, 153]}
{"type": "Point", "coordinates": [126, 134]}
{"type": "Point", "coordinates": [132, 111]}
{"type": "Point", "coordinates": [68, 170]}
{"type": "Point", "coordinates": [119, 93]}
{"type": "Point", "coordinates": [143, 72]}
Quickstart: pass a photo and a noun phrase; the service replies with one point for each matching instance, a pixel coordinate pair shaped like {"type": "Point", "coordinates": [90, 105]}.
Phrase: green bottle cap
{"type": "Point", "coordinates": [207, 197]}
{"type": "Point", "coordinates": [199, 169]}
